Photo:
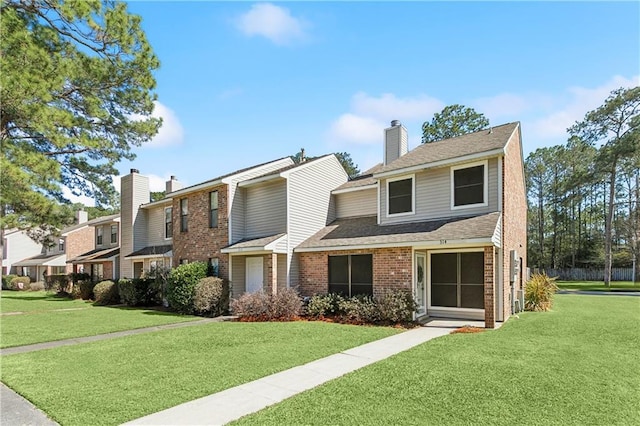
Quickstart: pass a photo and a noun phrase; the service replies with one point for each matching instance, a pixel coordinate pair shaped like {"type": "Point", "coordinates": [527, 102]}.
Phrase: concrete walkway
{"type": "Point", "coordinates": [15, 410]}
{"type": "Point", "coordinates": [231, 404]}
{"type": "Point", "coordinates": [76, 340]}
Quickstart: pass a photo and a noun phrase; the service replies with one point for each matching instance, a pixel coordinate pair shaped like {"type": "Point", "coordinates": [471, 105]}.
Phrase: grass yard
{"type": "Point", "coordinates": [598, 285]}
{"type": "Point", "coordinates": [30, 301]}
{"type": "Point", "coordinates": [576, 365]}
{"type": "Point", "coordinates": [42, 323]}
{"type": "Point", "coordinates": [113, 381]}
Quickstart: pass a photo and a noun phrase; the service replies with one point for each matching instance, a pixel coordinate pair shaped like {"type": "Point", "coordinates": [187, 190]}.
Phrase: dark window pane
{"type": "Point", "coordinates": [472, 268]}
{"type": "Point", "coordinates": [362, 289]}
{"type": "Point", "coordinates": [184, 207]}
{"type": "Point", "coordinates": [444, 268]}
{"type": "Point", "coordinates": [468, 186]}
{"type": "Point", "coordinates": [339, 270]}
{"type": "Point", "coordinates": [183, 224]}
{"type": "Point", "coordinates": [472, 296]}
{"type": "Point", "coordinates": [342, 289]}
{"type": "Point", "coordinates": [400, 193]}
{"type": "Point", "coordinates": [444, 295]}
{"type": "Point", "coordinates": [213, 219]}
{"type": "Point", "coordinates": [362, 269]}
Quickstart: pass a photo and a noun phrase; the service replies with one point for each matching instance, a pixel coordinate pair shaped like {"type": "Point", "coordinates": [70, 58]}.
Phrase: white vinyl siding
{"type": "Point", "coordinates": [155, 227]}
{"type": "Point", "coordinates": [309, 202]}
{"type": "Point", "coordinates": [266, 209]}
{"type": "Point", "coordinates": [237, 226]}
{"type": "Point", "coordinates": [356, 203]}
{"type": "Point", "coordinates": [433, 196]}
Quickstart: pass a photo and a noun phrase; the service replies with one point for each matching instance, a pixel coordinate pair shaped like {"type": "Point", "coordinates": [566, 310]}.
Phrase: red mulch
{"type": "Point", "coordinates": [468, 329]}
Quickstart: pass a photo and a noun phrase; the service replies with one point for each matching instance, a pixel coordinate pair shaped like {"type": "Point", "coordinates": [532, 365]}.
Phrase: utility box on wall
{"type": "Point", "coordinates": [514, 266]}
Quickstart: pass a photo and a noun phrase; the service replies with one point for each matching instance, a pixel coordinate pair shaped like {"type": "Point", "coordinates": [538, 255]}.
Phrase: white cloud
{"type": "Point", "coordinates": [171, 132]}
{"type": "Point", "coordinates": [580, 100]}
{"type": "Point", "coordinates": [87, 201]}
{"type": "Point", "coordinates": [272, 22]}
{"type": "Point", "coordinates": [369, 115]}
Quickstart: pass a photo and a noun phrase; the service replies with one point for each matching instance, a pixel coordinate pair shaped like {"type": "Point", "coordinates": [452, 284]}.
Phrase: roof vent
{"type": "Point", "coordinates": [395, 123]}
{"type": "Point", "coordinates": [135, 171]}
{"type": "Point", "coordinates": [173, 177]}
{"type": "Point", "coordinates": [490, 130]}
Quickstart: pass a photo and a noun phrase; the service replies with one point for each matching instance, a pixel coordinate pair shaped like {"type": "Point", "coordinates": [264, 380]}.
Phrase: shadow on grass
{"type": "Point", "coordinates": [26, 297]}
{"type": "Point", "coordinates": [146, 310]}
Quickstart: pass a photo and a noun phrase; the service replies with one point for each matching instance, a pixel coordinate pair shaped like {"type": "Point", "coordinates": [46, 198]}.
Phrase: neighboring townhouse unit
{"type": "Point", "coordinates": [189, 224]}
{"type": "Point", "coordinates": [52, 260]}
{"type": "Point", "coordinates": [16, 246]}
{"type": "Point", "coordinates": [101, 259]}
{"type": "Point", "coordinates": [273, 213]}
{"type": "Point", "coordinates": [446, 220]}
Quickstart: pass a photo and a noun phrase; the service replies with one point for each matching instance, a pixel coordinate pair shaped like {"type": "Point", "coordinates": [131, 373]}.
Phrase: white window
{"type": "Point", "coordinates": [469, 185]}
{"type": "Point", "coordinates": [401, 196]}
{"type": "Point", "coordinates": [168, 223]}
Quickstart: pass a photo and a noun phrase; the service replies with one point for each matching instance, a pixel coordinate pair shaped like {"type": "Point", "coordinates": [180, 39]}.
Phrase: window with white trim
{"type": "Point", "coordinates": [168, 222]}
{"type": "Point", "coordinates": [469, 185]}
{"type": "Point", "coordinates": [114, 234]}
{"type": "Point", "coordinates": [400, 196]}
{"type": "Point", "coordinates": [99, 236]}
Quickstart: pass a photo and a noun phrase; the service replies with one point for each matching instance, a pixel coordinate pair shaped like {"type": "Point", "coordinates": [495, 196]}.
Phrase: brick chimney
{"type": "Point", "coordinates": [395, 142]}
{"type": "Point", "coordinates": [173, 185]}
{"type": "Point", "coordinates": [134, 191]}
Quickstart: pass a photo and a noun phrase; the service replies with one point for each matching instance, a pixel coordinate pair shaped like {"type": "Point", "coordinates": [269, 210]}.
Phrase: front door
{"type": "Point", "coordinates": [420, 285]}
{"type": "Point", "coordinates": [254, 277]}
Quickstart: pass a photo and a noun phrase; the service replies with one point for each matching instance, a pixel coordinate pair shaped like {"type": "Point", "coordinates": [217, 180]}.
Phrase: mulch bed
{"type": "Point", "coordinates": [468, 329]}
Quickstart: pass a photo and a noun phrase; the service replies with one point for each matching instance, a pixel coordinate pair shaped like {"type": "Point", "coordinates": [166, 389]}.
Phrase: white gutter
{"type": "Point", "coordinates": [355, 188]}
{"type": "Point", "coordinates": [434, 243]}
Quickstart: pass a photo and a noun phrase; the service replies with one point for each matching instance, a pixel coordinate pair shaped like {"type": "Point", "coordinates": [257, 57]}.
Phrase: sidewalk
{"type": "Point", "coordinates": [15, 410]}
{"type": "Point", "coordinates": [231, 404]}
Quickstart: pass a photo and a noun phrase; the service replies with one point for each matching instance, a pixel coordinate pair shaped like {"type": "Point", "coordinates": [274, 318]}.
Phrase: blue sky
{"type": "Point", "coordinates": [242, 83]}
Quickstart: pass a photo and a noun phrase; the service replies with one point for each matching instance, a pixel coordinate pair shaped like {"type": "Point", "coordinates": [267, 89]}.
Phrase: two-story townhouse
{"type": "Point", "coordinates": [446, 221]}
{"type": "Point", "coordinates": [102, 261]}
{"type": "Point", "coordinates": [189, 224]}
{"type": "Point", "coordinates": [52, 260]}
{"type": "Point", "coordinates": [17, 246]}
{"type": "Point", "coordinates": [273, 213]}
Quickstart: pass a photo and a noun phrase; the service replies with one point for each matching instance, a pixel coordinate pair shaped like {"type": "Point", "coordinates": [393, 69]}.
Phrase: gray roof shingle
{"type": "Point", "coordinates": [254, 242]}
{"type": "Point", "coordinates": [472, 143]}
{"type": "Point", "coordinates": [151, 250]}
{"type": "Point", "coordinates": [363, 179]}
{"type": "Point", "coordinates": [363, 231]}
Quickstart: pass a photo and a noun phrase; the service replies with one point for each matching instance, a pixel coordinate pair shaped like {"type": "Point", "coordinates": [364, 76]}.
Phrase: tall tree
{"type": "Point", "coordinates": [77, 93]}
{"type": "Point", "coordinates": [616, 125]}
{"type": "Point", "coordinates": [453, 120]}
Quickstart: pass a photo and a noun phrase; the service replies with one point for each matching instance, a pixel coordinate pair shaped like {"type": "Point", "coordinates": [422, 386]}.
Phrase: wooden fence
{"type": "Point", "coordinates": [587, 274]}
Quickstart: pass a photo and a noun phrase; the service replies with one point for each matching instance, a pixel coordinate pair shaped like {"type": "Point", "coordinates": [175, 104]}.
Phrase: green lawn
{"type": "Point", "coordinates": [43, 321]}
{"type": "Point", "coordinates": [30, 301]}
{"type": "Point", "coordinates": [112, 381]}
{"type": "Point", "coordinates": [576, 365]}
{"type": "Point", "coordinates": [598, 285]}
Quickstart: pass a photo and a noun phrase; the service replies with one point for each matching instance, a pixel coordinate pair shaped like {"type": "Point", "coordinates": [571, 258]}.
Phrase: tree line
{"type": "Point", "coordinates": [584, 195]}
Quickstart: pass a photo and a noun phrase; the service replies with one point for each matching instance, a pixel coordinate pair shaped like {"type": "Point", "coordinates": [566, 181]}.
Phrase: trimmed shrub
{"type": "Point", "coordinates": [127, 292]}
{"type": "Point", "coordinates": [106, 293]}
{"type": "Point", "coordinates": [324, 305]}
{"type": "Point", "coordinates": [6, 281]}
{"type": "Point", "coordinates": [397, 307]}
{"type": "Point", "coordinates": [538, 294]}
{"type": "Point", "coordinates": [181, 286]}
{"type": "Point", "coordinates": [20, 283]}
{"type": "Point", "coordinates": [359, 310]}
{"type": "Point", "coordinates": [59, 283]}
{"type": "Point", "coordinates": [284, 306]}
{"type": "Point", "coordinates": [75, 277]}
{"type": "Point", "coordinates": [37, 286]}
{"type": "Point", "coordinates": [83, 290]}
{"type": "Point", "coordinates": [211, 296]}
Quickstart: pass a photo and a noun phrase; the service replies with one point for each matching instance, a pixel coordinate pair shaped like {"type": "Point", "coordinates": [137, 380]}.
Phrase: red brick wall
{"type": "Point", "coordinates": [200, 242]}
{"type": "Point", "coordinates": [514, 216]}
{"type": "Point", "coordinates": [391, 270]}
{"type": "Point", "coordinates": [489, 289]}
{"type": "Point", "coordinates": [79, 242]}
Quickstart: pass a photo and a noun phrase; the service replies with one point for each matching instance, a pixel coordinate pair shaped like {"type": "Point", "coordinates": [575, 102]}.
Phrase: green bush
{"type": "Point", "coordinates": [59, 283]}
{"type": "Point", "coordinates": [127, 292]}
{"type": "Point", "coordinates": [106, 293]}
{"type": "Point", "coordinates": [139, 292]}
{"type": "Point", "coordinates": [37, 286]}
{"type": "Point", "coordinates": [20, 283]}
{"type": "Point", "coordinates": [538, 293]}
{"type": "Point", "coordinates": [359, 310]}
{"type": "Point", "coordinates": [74, 277]}
{"type": "Point", "coordinates": [82, 290]}
{"type": "Point", "coordinates": [181, 285]}
{"type": "Point", "coordinates": [324, 305]}
{"type": "Point", "coordinates": [286, 305]}
{"type": "Point", "coordinates": [396, 306]}
{"type": "Point", "coordinates": [6, 281]}
{"type": "Point", "coordinates": [211, 296]}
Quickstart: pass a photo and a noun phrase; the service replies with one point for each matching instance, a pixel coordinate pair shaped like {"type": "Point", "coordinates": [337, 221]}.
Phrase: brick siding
{"type": "Point", "coordinates": [78, 242]}
{"type": "Point", "coordinates": [200, 242]}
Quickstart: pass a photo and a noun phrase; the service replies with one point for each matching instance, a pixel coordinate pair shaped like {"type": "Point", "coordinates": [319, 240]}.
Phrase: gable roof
{"type": "Point", "coordinates": [282, 172]}
{"type": "Point", "coordinates": [365, 232]}
{"type": "Point", "coordinates": [363, 179]}
{"type": "Point", "coordinates": [490, 141]}
{"type": "Point", "coordinates": [97, 220]}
